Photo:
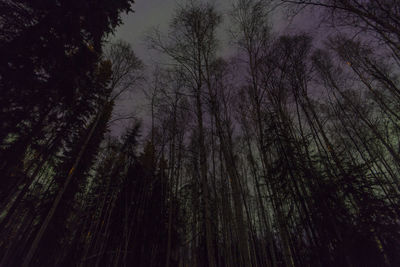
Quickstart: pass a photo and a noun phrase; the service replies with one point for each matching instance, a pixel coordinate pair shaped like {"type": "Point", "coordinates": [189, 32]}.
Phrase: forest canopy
{"type": "Point", "coordinates": [284, 153]}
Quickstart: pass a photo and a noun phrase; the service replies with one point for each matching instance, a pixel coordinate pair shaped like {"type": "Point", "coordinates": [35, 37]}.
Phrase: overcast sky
{"type": "Point", "coordinates": [158, 13]}
{"type": "Point", "coordinates": [147, 15]}
{"type": "Point", "coordinates": [153, 13]}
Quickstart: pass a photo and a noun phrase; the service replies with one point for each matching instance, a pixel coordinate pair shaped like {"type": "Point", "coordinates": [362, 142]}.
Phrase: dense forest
{"type": "Point", "coordinates": [285, 154]}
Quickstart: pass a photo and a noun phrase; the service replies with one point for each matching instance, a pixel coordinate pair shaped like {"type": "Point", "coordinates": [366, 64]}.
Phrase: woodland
{"type": "Point", "coordinates": [285, 154]}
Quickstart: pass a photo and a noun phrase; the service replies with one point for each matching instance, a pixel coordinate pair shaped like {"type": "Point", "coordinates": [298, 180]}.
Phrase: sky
{"type": "Point", "coordinates": [158, 13]}
{"type": "Point", "coordinates": [149, 14]}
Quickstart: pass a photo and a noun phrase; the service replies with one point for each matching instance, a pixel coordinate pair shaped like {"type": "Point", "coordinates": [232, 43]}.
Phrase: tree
{"type": "Point", "coordinates": [192, 45]}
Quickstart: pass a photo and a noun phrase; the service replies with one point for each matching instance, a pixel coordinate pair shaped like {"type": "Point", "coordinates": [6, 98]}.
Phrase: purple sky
{"type": "Point", "coordinates": [158, 13]}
